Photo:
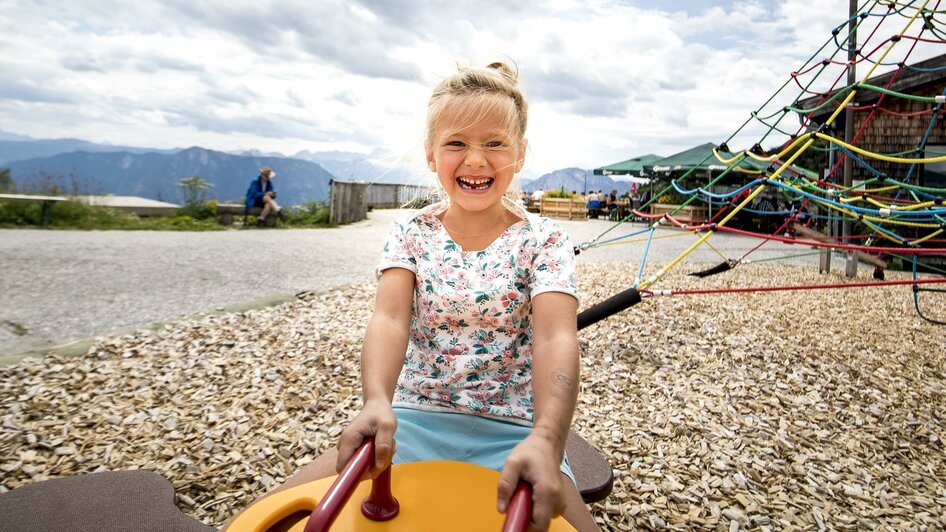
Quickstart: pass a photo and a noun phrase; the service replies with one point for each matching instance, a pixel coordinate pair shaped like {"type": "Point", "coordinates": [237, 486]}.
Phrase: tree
{"type": "Point", "coordinates": [193, 190]}
{"type": "Point", "coordinates": [6, 180]}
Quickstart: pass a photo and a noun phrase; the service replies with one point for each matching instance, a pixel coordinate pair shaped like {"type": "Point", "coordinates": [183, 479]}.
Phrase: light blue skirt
{"type": "Point", "coordinates": [423, 436]}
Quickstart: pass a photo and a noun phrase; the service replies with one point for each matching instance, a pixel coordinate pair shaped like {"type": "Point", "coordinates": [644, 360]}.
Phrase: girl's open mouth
{"type": "Point", "coordinates": [474, 183]}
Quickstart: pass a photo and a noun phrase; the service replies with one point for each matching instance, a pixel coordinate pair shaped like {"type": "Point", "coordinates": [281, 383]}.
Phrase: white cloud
{"type": "Point", "coordinates": [607, 80]}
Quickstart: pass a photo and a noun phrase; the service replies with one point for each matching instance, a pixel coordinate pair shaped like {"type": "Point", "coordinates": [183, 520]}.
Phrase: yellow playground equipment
{"type": "Point", "coordinates": [437, 495]}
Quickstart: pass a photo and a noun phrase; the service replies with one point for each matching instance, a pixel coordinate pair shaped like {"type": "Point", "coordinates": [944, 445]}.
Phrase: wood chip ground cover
{"type": "Point", "coordinates": [794, 410]}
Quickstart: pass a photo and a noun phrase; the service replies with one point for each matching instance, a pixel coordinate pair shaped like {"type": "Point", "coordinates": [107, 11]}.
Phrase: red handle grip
{"type": "Point", "coordinates": [381, 505]}
{"type": "Point", "coordinates": [519, 513]}
{"type": "Point", "coordinates": [342, 489]}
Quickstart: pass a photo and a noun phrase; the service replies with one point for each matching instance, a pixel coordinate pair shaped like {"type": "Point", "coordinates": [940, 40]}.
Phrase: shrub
{"type": "Point", "coordinates": [201, 210]}
{"type": "Point", "coordinates": [73, 214]}
{"type": "Point", "coordinates": [559, 194]}
{"type": "Point", "coordinates": [309, 214]}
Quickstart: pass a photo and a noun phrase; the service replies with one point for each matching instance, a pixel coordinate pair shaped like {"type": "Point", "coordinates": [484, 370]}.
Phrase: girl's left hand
{"type": "Point", "coordinates": [533, 461]}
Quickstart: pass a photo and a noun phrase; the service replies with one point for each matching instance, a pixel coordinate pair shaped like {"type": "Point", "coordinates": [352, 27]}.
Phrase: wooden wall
{"type": "Point", "coordinates": [395, 196]}
{"type": "Point", "coordinates": [348, 202]}
{"type": "Point", "coordinates": [888, 133]}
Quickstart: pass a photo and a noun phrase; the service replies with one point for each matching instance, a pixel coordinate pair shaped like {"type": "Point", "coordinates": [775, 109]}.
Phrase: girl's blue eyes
{"type": "Point", "coordinates": [489, 145]}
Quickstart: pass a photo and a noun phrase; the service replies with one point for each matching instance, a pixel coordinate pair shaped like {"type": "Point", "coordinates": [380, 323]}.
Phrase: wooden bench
{"type": "Point", "coordinates": [567, 208]}
{"type": "Point", "coordinates": [226, 212]}
{"type": "Point", "coordinates": [690, 214]}
{"type": "Point", "coordinates": [47, 207]}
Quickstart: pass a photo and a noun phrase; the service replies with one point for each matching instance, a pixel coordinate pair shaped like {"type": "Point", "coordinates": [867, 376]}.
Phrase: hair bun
{"type": "Point", "coordinates": [504, 69]}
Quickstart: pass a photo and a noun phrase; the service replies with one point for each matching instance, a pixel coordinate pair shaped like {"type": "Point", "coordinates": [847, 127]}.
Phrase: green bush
{"type": "Point", "coordinates": [559, 194]}
{"type": "Point", "coordinates": [64, 214]}
{"type": "Point", "coordinates": [201, 210]}
{"type": "Point", "coordinates": [309, 214]}
{"type": "Point", "coordinates": [73, 214]}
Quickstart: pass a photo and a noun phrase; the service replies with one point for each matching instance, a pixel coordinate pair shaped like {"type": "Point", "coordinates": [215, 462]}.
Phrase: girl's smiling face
{"type": "Point", "coordinates": [475, 153]}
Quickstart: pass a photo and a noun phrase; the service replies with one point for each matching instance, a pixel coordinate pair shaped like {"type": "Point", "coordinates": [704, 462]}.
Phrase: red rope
{"type": "Point", "coordinates": [799, 287]}
{"type": "Point", "coordinates": [814, 243]}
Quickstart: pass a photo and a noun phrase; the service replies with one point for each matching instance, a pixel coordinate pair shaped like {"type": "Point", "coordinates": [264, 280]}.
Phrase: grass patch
{"type": "Point", "coordinates": [72, 214]}
{"type": "Point", "coordinates": [201, 216]}
{"type": "Point", "coordinates": [310, 214]}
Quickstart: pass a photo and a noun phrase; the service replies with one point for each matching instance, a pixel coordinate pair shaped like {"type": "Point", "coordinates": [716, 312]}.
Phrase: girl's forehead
{"type": "Point", "coordinates": [464, 114]}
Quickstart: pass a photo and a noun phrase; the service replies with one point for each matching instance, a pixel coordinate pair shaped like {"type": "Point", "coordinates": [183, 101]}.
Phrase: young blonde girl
{"type": "Point", "coordinates": [471, 353]}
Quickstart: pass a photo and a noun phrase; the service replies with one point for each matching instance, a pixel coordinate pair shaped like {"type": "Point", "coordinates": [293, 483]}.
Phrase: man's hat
{"type": "Point", "coordinates": [267, 171]}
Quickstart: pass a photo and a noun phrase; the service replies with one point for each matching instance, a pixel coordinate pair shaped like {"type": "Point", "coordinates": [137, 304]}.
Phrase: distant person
{"type": "Point", "coordinates": [765, 209]}
{"type": "Point", "coordinates": [611, 204]}
{"type": "Point", "coordinates": [645, 199]}
{"type": "Point", "coordinates": [536, 205]}
{"type": "Point", "coordinates": [261, 194]}
{"type": "Point", "coordinates": [593, 204]}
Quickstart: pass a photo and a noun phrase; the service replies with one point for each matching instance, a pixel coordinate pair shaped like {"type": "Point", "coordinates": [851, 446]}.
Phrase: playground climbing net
{"type": "Point", "coordinates": [890, 212]}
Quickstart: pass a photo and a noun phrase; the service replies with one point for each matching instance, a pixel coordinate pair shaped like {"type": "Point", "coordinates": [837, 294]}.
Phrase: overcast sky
{"type": "Point", "coordinates": [607, 80]}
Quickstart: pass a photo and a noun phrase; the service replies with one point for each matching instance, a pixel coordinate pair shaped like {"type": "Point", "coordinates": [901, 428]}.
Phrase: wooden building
{"type": "Point", "coordinates": [897, 126]}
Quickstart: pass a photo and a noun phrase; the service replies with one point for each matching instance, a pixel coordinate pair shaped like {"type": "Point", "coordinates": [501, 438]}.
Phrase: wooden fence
{"type": "Point", "coordinates": [690, 215]}
{"type": "Point", "coordinates": [395, 196]}
{"type": "Point", "coordinates": [350, 201]}
{"type": "Point", "coordinates": [570, 209]}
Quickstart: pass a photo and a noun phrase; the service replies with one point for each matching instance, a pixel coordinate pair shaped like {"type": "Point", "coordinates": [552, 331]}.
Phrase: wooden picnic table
{"type": "Point", "coordinates": [47, 207]}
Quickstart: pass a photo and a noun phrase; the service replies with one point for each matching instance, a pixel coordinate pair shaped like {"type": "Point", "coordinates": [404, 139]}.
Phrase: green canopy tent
{"type": "Point", "coordinates": [698, 160]}
{"type": "Point", "coordinates": [632, 167]}
{"type": "Point", "coordinates": [702, 163]}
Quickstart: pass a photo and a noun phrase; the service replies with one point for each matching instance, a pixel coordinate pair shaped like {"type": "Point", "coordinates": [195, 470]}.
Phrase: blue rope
{"type": "Point", "coordinates": [640, 271]}
{"type": "Point", "coordinates": [916, 298]}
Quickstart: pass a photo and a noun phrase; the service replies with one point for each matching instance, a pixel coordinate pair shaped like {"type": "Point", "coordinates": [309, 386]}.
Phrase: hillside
{"type": "Point", "coordinates": [155, 175]}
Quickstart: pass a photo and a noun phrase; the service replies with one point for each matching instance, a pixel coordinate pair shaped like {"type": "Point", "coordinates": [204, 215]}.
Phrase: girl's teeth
{"type": "Point", "coordinates": [476, 184]}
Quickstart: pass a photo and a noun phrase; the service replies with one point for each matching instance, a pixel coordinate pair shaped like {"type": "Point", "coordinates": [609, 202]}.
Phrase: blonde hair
{"type": "Point", "coordinates": [484, 91]}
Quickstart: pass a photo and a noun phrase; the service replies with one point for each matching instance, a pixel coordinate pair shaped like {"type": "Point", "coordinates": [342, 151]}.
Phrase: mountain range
{"type": "Point", "coordinates": [578, 180]}
{"type": "Point", "coordinates": [79, 167]}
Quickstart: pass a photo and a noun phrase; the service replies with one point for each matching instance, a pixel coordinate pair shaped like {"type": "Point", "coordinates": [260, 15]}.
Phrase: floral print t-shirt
{"type": "Point", "coordinates": [470, 343]}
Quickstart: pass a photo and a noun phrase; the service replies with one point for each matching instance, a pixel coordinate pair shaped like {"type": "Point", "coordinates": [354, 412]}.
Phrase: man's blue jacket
{"type": "Point", "coordinates": [254, 195]}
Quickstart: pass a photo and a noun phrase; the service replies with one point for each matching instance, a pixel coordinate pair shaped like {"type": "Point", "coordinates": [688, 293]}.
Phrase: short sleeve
{"type": "Point", "coordinates": [554, 267]}
{"type": "Point", "coordinates": [397, 251]}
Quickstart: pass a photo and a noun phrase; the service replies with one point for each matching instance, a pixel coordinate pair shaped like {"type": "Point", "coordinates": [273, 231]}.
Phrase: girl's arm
{"type": "Point", "coordinates": [555, 392]}
{"type": "Point", "coordinates": [382, 356]}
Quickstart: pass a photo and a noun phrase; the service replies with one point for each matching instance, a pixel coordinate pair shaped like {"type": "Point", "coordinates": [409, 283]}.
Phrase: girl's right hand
{"type": "Point", "coordinates": [377, 420]}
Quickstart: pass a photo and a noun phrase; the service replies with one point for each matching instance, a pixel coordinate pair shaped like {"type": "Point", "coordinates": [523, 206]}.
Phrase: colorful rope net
{"type": "Point", "coordinates": [893, 210]}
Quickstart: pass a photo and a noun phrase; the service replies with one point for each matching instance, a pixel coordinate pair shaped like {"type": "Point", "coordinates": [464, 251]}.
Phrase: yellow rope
{"type": "Point", "coordinates": [718, 252]}
{"type": "Point", "coordinates": [881, 189]}
{"type": "Point", "coordinates": [879, 156]}
{"type": "Point", "coordinates": [927, 237]}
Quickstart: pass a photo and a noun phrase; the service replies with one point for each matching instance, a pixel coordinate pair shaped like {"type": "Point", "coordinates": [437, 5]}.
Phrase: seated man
{"type": "Point", "coordinates": [611, 204]}
{"type": "Point", "coordinates": [262, 194]}
{"type": "Point", "coordinates": [593, 204]}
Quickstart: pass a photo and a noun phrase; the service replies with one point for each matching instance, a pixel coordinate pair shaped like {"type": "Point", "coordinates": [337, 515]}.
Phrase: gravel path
{"type": "Point", "coordinates": [59, 286]}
